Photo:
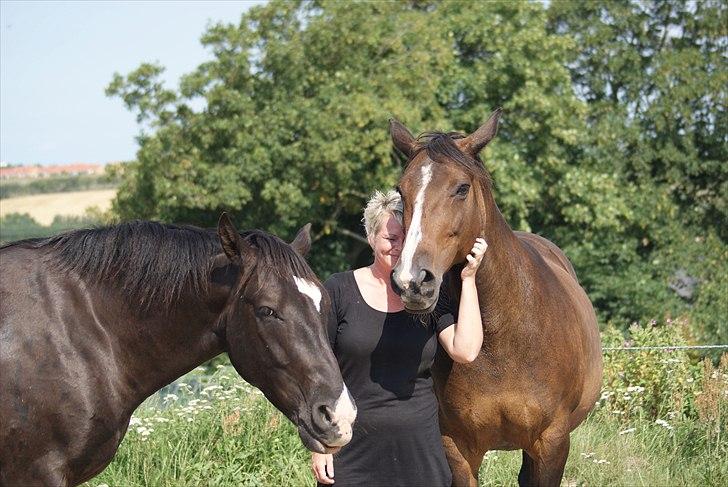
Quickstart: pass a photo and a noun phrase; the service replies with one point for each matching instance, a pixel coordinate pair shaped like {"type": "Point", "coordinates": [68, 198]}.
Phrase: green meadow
{"type": "Point", "coordinates": [661, 420]}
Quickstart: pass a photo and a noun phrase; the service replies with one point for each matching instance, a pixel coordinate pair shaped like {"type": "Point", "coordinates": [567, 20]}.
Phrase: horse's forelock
{"type": "Point", "coordinates": [441, 148]}
{"type": "Point", "coordinates": [278, 256]}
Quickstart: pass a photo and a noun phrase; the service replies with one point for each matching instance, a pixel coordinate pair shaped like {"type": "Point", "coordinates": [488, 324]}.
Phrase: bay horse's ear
{"type": "Point", "coordinates": [232, 243]}
{"type": "Point", "coordinates": [402, 138]}
{"type": "Point", "coordinates": [475, 142]}
{"type": "Point", "coordinates": [302, 243]}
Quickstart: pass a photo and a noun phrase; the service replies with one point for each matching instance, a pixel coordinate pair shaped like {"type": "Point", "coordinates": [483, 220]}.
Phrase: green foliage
{"type": "Point", "coordinates": [294, 124]}
{"type": "Point", "coordinates": [17, 226]}
{"type": "Point", "coordinates": [649, 384]}
{"type": "Point", "coordinates": [613, 142]}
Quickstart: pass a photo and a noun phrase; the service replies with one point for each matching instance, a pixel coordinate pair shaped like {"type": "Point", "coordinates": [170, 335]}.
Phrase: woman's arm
{"type": "Point", "coordinates": [463, 340]}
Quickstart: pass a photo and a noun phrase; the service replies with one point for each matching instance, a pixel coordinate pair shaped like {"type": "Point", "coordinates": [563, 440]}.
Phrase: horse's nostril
{"type": "Point", "coordinates": [428, 276]}
{"type": "Point", "coordinates": [325, 414]}
{"type": "Point", "coordinates": [395, 285]}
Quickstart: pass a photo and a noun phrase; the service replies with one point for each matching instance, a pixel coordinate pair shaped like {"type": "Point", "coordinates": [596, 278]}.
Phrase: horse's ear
{"type": "Point", "coordinates": [232, 243]}
{"type": "Point", "coordinates": [302, 243]}
{"type": "Point", "coordinates": [475, 142]}
{"type": "Point", "coordinates": [402, 138]}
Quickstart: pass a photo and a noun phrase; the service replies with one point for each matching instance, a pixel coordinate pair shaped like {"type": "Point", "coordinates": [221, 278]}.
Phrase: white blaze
{"type": "Point", "coordinates": [309, 289]}
{"type": "Point", "coordinates": [414, 233]}
{"type": "Point", "coordinates": [343, 416]}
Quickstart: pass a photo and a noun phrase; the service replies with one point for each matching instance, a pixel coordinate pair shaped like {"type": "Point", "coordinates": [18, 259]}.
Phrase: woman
{"type": "Point", "coordinates": [385, 355]}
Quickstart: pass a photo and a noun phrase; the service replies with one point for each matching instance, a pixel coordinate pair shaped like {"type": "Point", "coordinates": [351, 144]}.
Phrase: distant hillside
{"type": "Point", "coordinates": [55, 182]}
{"type": "Point", "coordinates": [43, 208]}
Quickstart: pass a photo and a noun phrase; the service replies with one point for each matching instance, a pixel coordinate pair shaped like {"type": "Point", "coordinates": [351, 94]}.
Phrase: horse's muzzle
{"type": "Point", "coordinates": [419, 292]}
{"type": "Point", "coordinates": [331, 424]}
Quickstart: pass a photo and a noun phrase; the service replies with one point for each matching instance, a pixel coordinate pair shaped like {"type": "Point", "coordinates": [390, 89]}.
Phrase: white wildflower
{"type": "Point", "coordinates": [628, 430]}
{"type": "Point", "coordinates": [663, 423]}
{"type": "Point", "coordinates": [170, 398]}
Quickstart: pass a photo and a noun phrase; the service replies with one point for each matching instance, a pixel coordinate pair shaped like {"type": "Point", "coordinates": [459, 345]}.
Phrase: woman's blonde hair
{"type": "Point", "coordinates": [378, 207]}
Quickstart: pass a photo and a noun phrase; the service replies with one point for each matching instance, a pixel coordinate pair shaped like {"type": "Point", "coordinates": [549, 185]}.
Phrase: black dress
{"type": "Point", "coordinates": [385, 359]}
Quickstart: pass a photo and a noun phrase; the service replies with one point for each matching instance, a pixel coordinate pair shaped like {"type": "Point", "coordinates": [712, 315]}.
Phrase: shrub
{"type": "Point", "coordinates": [649, 384]}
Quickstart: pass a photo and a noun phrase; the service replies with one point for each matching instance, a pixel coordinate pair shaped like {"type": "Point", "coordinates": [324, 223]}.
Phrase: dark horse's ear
{"type": "Point", "coordinates": [302, 243]}
{"type": "Point", "coordinates": [234, 246]}
{"type": "Point", "coordinates": [475, 142]}
{"type": "Point", "coordinates": [402, 138]}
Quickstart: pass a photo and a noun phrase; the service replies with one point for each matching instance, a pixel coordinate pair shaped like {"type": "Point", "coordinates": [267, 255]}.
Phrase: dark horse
{"type": "Point", "coordinates": [539, 372]}
{"type": "Point", "coordinates": [94, 321]}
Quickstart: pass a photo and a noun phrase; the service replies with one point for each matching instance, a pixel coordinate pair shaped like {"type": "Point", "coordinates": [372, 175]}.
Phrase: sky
{"type": "Point", "coordinates": [57, 57]}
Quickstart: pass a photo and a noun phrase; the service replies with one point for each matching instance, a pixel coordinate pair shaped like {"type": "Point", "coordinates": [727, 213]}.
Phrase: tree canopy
{"type": "Point", "coordinates": [612, 144]}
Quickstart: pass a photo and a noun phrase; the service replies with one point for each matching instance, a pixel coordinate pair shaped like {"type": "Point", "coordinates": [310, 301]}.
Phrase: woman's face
{"type": "Point", "coordinates": [387, 242]}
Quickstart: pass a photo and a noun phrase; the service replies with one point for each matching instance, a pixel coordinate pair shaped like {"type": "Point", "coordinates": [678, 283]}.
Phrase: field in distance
{"type": "Point", "coordinates": [44, 207]}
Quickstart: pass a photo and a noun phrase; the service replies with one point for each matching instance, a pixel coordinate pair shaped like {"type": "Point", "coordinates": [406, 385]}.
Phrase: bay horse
{"type": "Point", "coordinates": [94, 321]}
{"type": "Point", "coordinates": [539, 371]}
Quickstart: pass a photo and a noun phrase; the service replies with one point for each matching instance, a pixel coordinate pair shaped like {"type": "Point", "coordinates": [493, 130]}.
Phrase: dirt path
{"type": "Point", "coordinates": [44, 207]}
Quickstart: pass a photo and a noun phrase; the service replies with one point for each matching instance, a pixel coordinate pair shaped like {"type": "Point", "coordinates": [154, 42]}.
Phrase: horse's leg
{"type": "Point", "coordinates": [464, 464]}
{"type": "Point", "coordinates": [543, 463]}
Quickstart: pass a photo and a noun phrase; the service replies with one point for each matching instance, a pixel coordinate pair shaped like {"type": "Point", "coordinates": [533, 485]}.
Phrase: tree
{"type": "Point", "coordinates": [296, 102]}
{"type": "Point", "coordinates": [606, 145]}
{"type": "Point", "coordinates": [653, 75]}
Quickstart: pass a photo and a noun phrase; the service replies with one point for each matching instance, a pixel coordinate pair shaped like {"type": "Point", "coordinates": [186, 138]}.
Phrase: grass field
{"type": "Point", "coordinates": [43, 208]}
{"type": "Point", "coordinates": [220, 431]}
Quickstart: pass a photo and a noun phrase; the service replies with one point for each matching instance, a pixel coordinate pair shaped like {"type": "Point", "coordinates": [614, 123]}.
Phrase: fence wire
{"type": "Point", "coordinates": [669, 348]}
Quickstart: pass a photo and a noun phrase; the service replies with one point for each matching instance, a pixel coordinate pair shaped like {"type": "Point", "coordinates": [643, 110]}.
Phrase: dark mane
{"type": "Point", "coordinates": [441, 148]}
{"type": "Point", "coordinates": [154, 262]}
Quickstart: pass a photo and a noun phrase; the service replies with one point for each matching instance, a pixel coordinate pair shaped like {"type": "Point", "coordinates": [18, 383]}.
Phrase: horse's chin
{"type": "Point", "coordinates": [313, 444]}
{"type": "Point", "coordinates": [419, 310]}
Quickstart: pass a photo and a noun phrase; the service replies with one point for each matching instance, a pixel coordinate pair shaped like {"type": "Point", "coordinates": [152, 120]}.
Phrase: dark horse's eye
{"type": "Point", "coordinates": [462, 190]}
{"type": "Point", "coordinates": [265, 312]}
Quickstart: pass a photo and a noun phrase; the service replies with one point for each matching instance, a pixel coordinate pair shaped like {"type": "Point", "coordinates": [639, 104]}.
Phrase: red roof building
{"type": "Point", "coordinates": [31, 172]}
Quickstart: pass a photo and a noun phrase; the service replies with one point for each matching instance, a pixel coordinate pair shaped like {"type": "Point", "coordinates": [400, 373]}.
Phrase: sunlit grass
{"type": "Point", "coordinates": [223, 432]}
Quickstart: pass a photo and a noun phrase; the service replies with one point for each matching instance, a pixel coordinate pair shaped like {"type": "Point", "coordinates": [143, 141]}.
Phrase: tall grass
{"type": "Point", "coordinates": [223, 432]}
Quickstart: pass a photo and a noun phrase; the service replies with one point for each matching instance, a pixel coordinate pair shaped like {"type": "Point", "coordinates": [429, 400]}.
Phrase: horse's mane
{"type": "Point", "coordinates": [441, 148]}
{"type": "Point", "coordinates": [154, 262]}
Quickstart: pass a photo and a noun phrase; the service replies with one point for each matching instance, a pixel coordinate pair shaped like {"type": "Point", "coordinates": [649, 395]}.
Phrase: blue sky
{"type": "Point", "coordinates": [56, 59]}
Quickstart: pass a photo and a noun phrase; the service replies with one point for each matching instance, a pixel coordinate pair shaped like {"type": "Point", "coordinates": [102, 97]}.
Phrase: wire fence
{"type": "Point", "coordinates": [668, 348]}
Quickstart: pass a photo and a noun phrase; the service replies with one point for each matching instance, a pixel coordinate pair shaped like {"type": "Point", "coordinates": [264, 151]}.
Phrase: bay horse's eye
{"type": "Point", "coordinates": [462, 190]}
{"type": "Point", "coordinates": [265, 312]}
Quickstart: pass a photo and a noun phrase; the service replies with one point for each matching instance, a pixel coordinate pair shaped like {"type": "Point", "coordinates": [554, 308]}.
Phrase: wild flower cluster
{"type": "Point", "coordinates": [661, 386]}
{"type": "Point", "coordinates": [197, 394]}
{"type": "Point", "coordinates": [648, 384]}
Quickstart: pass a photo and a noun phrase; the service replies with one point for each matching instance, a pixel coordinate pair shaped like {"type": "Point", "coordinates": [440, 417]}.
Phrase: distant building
{"type": "Point", "coordinates": [34, 172]}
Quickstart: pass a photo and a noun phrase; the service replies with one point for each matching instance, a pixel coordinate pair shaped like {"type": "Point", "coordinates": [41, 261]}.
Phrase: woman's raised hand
{"type": "Point", "coordinates": [475, 257]}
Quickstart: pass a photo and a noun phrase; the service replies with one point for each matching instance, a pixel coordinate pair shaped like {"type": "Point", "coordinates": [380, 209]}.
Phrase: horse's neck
{"type": "Point", "coordinates": [503, 279]}
{"type": "Point", "coordinates": [168, 345]}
